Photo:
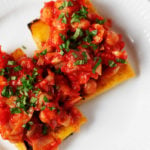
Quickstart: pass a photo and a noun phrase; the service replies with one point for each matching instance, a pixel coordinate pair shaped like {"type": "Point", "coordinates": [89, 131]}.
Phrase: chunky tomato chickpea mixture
{"type": "Point", "coordinates": [81, 44]}
{"type": "Point", "coordinates": [38, 94]}
{"type": "Point", "coordinates": [34, 101]}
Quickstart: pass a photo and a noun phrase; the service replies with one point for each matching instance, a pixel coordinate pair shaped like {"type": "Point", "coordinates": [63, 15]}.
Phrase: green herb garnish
{"type": "Point", "coordinates": [11, 62]}
{"type": "Point", "coordinates": [123, 61]}
{"type": "Point", "coordinates": [62, 37]}
{"type": "Point", "coordinates": [89, 35]}
{"type": "Point", "coordinates": [66, 4]}
{"type": "Point", "coordinates": [36, 91]}
{"type": "Point", "coordinates": [13, 78]}
{"type": "Point", "coordinates": [44, 52]}
{"type": "Point", "coordinates": [22, 102]}
{"type": "Point", "coordinates": [112, 63]}
{"type": "Point", "coordinates": [85, 56]}
{"type": "Point", "coordinates": [79, 62]}
{"type": "Point", "coordinates": [65, 46]}
{"type": "Point", "coordinates": [7, 91]}
{"type": "Point", "coordinates": [94, 46]}
{"type": "Point", "coordinates": [77, 33]}
{"type": "Point", "coordinates": [77, 16]}
{"type": "Point", "coordinates": [96, 65]}
{"type": "Point", "coordinates": [85, 46]}
{"type": "Point", "coordinates": [43, 107]}
{"type": "Point", "coordinates": [62, 52]}
{"type": "Point", "coordinates": [28, 125]}
{"type": "Point", "coordinates": [93, 33]}
{"type": "Point", "coordinates": [2, 72]}
{"type": "Point", "coordinates": [33, 100]}
{"type": "Point", "coordinates": [15, 110]}
{"type": "Point", "coordinates": [100, 21]}
{"type": "Point", "coordinates": [75, 55]}
{"type": "Point", "coordinates": [63, 17]}
{"type": "Point", "coordinates": [46, 99]}
{"type": "Point", "coordinates": [18, 68]}
{"type": "Point", "coordinates": [52, 108]}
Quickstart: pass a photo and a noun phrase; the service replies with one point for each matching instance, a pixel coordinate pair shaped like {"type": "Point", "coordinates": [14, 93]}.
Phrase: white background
{"type": "Point", "coordinates": [120, 118]}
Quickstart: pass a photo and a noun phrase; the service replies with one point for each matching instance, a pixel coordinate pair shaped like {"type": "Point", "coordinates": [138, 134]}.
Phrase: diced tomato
{"type": "Point", "coordinates": [4, 115]}
{"type": "Point", "coordinates": [26, 63]}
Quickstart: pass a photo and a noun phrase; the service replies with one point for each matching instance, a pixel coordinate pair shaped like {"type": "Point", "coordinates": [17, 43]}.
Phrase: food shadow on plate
{"type": "Point", "coordinates": [88, 109]}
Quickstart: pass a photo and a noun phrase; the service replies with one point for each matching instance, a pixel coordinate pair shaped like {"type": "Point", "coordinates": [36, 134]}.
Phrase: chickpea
{"type": "Point", "coordinates": [112, 38]}
{"type": "Point", "coordinates": [83, 24]}
{"type": "Point", "coordinates": [57, 23]}
{"type": "Point", "coordinates": [46, 14]}
{"type": "Point", "coordinates": [100, 33]}
{"type": "Point", "coordinates": [90, 87]}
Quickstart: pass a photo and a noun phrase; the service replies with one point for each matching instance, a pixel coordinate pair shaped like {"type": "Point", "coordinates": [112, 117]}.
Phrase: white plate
{"type": "Point", "coordinates": [119, 119]}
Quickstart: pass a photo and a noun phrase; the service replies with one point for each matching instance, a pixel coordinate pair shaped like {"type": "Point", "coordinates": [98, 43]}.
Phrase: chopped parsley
{"type": "Point", "coordinates": [13, 78]}
{"type": "Point", "coordinates": [96, 65]}
{"type": "Point", "coordinates": [35, 73]}
{"type": "Point", "coordinates": [36, 91]}
{"type": "Point", "coordinates": [22, 102]}
{"type": "Point", "coordinates": [28, 125]}
{"type": "Point", "coordinates": [45, 99]}
{"type": "Point", "coordinates": [93, 33]}
{"type": "Point", "coordinates": [52, 108]}
{"type": "Point", "coordinates": [74, 55]}
{"type": "Point", "coordinates": [83, 11]}
{"type": "Point", "coordinates": [15, 110]}
{"type": "Point", "coordinates": [11, 62]}
{"type": "Point", "coordinates": [100, 21]}
{"type": "Point", "coordinates": [63, 17]}
{"type": "Point", "coordinates": [79, 62]}
{"type": "Point", "coordinates": [89, 35]}
{"type": "Point", "coordinates": [83, 61]}
{"type": "Point", "coordinates": [44, 52]}
{"type": "Point", "coordinates": [112, 63]}
{"type": "Point", "coordinates": [119, 60]}
{"type": "Point", "coordinates": [17, 68]}
{"type": "Point", "coordinates": [77, 33]}
{"type": "Point", "coordinates": [33, 100]}
{"type": "Point", "coordinates": [43, 107]}
{"type": "Point", "coordinates": [66, 4]}
{"type": "Point", "coordinates": [24, 125]}
{"type": "Point", "coordinates": [94, 46]}
{"type": "Point", "coordinates": [77, 16]}
{"type": "Point", "coordinates": [65, 46]}
{"type": "Point", "coordinates": [2, 72]}
{"type": "Point", "coordinates": [85, 46]}
{"type": "Point", "coordinates": [7, 91]}
{"type": "Point", "coordinates": [62, 52]}
{"type": "Point", "coordinates": [27, 83]}
{"type": "Point", "coordinates": [85, 56]}
{"type": "Point", "coordinates": [62, 37]}
{"type": "Point", "coordinates": [45, 130]}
